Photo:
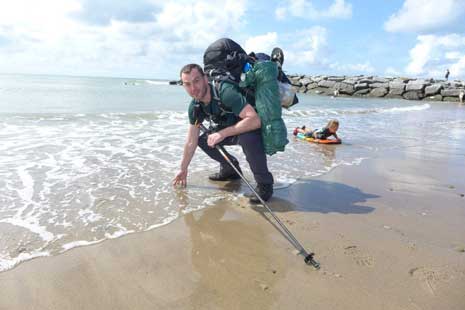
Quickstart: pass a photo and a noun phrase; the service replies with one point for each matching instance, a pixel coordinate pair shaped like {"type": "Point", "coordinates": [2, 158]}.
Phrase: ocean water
{"type": "Point", "coordinates": [84, 160]}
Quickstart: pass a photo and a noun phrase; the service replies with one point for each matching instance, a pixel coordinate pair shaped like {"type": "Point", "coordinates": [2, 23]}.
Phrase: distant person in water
{"type": "Point", "coordinates": [323, 133]}
{"type": "Point", "coordinates": [447, 74]}
{"type": "Point", "coordinates": [461, 96]}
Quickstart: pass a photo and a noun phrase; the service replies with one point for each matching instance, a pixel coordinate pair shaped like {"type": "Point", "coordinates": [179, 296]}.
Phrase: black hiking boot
{"type": "Point", "coordinates": [264, 190]}
{"type": "Point", "coordinates": [226, 173]}
{"type": "Point", "coordinates": [277, 55]}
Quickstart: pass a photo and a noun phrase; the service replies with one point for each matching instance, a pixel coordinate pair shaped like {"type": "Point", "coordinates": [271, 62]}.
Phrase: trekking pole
{"type": "Point", "coordinates": [308, 257]}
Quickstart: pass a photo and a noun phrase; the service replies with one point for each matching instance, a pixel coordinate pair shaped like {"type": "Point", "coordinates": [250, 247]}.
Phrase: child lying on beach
{"type": "Point", "coordinates": [323, 133]}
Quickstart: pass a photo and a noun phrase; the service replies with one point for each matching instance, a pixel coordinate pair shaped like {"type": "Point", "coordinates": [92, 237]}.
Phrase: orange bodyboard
{"type": "Point", "coordinates": [301, 136]}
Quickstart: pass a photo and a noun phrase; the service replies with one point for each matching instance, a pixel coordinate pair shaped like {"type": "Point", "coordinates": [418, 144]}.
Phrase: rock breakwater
{"type": "Point", "coordinates": [380, 87]}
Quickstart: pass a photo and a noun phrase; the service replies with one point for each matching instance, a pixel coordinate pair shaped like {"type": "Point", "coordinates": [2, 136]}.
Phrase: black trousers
{"type": "Point", "coordinates": [252, 146]}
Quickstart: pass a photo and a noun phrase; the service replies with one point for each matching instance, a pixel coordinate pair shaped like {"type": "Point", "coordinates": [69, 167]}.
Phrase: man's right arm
{"type": "Point", "coordinates": [189, 150]}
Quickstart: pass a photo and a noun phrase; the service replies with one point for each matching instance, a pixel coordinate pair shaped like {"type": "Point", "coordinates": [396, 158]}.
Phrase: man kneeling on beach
{"type": "Point", "coordinates": [234, 122]}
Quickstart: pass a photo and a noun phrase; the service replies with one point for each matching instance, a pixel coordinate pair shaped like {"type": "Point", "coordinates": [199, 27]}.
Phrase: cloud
{"type": "Point", "coordinates": [70, 37]}
{"type": "Point", "coordinates": [302, 49]}
{"type": "Point", "coordinates": [305, 50]}
{"type": "Point", "coordinates": [101, 12]}
{"type": "Point", "coordinates": [352, 68]}
{"type": "Point", "coordinates": [4, 40]}
{"type": "Point", "coordinates": [280, 13]}
{"type": "Point", "coordinates": [261, 43]}
{"type": "Point", "coordinates": [390, 71]}
{"type": "Point", "coordinates": [339, 9]}
{"type": "Point", "coordinates": [189, 27]}
{"type": "Point", "coordinates": [307, 47]}
{"type": "Point", "coordinates": [433, 54]}
{"type": "Point", "coordinates": [37, 20]}
{"type": "Point", "coordinates": [426, 16]}
{"type": "Point", "coordinates": [453, 55]}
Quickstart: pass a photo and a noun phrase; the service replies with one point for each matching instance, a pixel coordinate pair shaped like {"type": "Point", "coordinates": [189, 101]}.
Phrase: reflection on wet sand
{"type": "Point", "coordinates": [227, 262]}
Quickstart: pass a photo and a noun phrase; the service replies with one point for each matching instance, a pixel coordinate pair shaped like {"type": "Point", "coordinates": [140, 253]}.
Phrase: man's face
{"type": "Point", "coordinates": [195, 84]}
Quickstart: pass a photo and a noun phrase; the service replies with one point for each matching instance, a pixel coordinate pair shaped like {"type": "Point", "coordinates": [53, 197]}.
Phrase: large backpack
{"type": "Point", "coordinates": [224, 61]}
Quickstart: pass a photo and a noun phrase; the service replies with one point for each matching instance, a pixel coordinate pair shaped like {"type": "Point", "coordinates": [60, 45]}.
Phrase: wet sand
{"type": "Point", "coordinates": [389, 234]}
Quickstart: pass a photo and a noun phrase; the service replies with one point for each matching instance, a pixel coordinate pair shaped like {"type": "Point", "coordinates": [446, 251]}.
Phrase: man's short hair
{"type": "Point", "coordinates": [188, 68]}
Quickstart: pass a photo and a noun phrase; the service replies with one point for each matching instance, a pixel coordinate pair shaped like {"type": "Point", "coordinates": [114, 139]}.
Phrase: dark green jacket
{"type": "Point", "coordinates": [223, 110]}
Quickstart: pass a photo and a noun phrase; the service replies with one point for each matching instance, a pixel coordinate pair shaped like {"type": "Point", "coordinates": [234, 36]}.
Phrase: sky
{"type": "Point", "coordinates": [155, 38]}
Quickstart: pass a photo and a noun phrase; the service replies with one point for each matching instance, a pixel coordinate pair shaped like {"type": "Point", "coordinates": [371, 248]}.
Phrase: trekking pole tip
{"type": "Point", "coordinates": [311, 262]}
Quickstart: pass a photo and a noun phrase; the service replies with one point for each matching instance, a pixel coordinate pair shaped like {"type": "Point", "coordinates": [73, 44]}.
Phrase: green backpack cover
{"type": "Point", "coordinates": [263, 79]}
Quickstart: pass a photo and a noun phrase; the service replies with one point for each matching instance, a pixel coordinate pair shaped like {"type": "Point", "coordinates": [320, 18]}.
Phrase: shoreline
{"type": "Point", "coordinates": [388, 233]}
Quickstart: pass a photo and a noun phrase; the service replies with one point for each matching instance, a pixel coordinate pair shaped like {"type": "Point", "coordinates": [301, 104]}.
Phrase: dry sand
{"type": "Point", "coordinates": [389, 234]}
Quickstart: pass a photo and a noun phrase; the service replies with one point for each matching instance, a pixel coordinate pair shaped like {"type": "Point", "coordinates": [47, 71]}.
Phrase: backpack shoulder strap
{"type": "Point", "coordinates": [216, 87]}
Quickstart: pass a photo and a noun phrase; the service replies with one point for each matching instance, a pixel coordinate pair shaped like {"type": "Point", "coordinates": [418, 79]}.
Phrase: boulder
{"type": "Point", "coordinates": [312, 86]}
{"type": "Point", "coordinates": [451, 92]}
{"type": "Point", "coordinates": [421, 81]}
{"type": "Point", "coordinates": [305, 81]}
{"type": "Point", "coordinates": [454, 84]}
{"type": "Point", "coordinates": [366, 80]}
{"type": "Point", "coordinates": [359, 86]}
{"type": "Point", "coordinates": [344, 88]}
{"type": "Point", "coordinates": [413, 95]}
{"type": "Point", "coordinates": [320, 91]}
{"type": "Point", "coordinates": [433, 89]}
{"type": "Point", "coordinates": [378, 92]}
{"type": "Point", "coordinates": [336, 78]}
{"type": "Point", "coordinates": [401, 80]}
{"type": "Point", "coordinates": [415, 86]}
{"type": "Point", "coordinates": [378, 85]}
{"type": "Point", "coordinates": [295, 81]}
{"type": "Point", "coordinates": [361, 92]}
{"type": "Point", "coordinates": [396, 91]}
{"type": "Point", "coordinates": [396, 88]}
{"type": "Point", "coordinates": [351, 81]}
{"type": "Point", "coordinates": [396, 85]}
{"type": "Point", "coordinates": [302, 89]}
{"type": "Point", "coordinates": [450, 99]}
{"type": "Point", "coordinates": [433, 98]}
{"type": "Point", "coordinates": [377, 79]}
{"type": "Point", "coordinates": [393, 96]}
{"type": "Point", "coordinates": [326, 83]}
{"type": "Point", "coordinates": [317, 79]}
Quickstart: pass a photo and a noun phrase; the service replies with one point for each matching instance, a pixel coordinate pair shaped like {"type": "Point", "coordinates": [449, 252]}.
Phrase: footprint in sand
{"type": "Point", "coordinates": [290, 222]}
{"type": "Point", "coordinates": [432, 277]}
{"type": "Point", "coordinates": [359, 258]}
{"type": "Point", "coordinates": [313, 226]}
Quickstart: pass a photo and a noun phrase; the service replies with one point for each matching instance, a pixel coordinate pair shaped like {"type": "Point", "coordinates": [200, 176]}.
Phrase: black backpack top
{"type": "Point", "coordinates": [224, 59]}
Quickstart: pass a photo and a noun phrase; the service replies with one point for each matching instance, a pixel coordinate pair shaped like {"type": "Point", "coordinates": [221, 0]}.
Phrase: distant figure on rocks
{"type": "Point", "coordinates": [336, 92]}
{"type": "Point", "coordinates": [461, 96]}
{"type": "Point", "coordinates": [447, 75]}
